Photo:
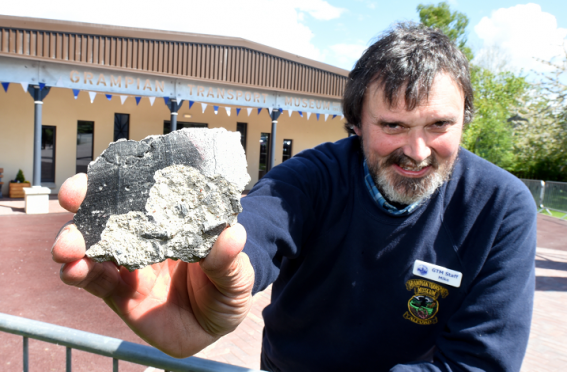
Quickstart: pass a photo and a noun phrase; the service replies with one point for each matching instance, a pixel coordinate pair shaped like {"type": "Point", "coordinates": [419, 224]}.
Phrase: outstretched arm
{"type": "Point", "coordinates": [180, 308]}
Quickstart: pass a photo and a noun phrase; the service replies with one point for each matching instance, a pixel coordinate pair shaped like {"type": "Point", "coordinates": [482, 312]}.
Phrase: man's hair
{"type": "Point", "coordinates": [408, 56]}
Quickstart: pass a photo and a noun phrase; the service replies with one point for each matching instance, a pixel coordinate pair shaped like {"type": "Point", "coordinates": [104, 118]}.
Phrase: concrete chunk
{"type": "Point", "coordinates": [162, 197]}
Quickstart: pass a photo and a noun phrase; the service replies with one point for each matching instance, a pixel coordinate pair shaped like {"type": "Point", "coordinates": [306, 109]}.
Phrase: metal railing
{"type": "Point", "coordinates": [106, 346]}
{"type": "Point", "coordinates": [549, 195]}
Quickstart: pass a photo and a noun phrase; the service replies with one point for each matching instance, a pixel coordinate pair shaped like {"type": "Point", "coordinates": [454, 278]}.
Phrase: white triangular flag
{"type": "Point", "coordinates": [249, 110]}
{"type": "Point", "coordinates": [60, 82]}
{"type": "Point", "coordinates": [152, 100]}
{"type": "Point", "coordinates": [227, 110]}
{"type": "Point", "coordinates": [25, 86]}
{"type": "Point", "coordinates": [308, 115]}
{"type": "Point", "coordinates": [326, 116]}
{"type": "Point", "coordinates": [342, 117]}
{"type": "Point", "coordinates": [204, 106]}
{"type": "Point", "coordinates": [92, 95]}
{"type": "Point", "coordinates": [289, 112]}
{"type": "Point", "coordinates": [123, 98]}
{"type": "Point", "coordinates": [270, 110]}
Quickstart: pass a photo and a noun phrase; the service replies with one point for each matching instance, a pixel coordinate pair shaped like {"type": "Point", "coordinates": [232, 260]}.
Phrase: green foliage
{"type": "Point", "coordinates": [20, 177]}
{"type": "Point", "coordinates": [497, 98]}
{"type": "Point", "coordinates": [452, 24]}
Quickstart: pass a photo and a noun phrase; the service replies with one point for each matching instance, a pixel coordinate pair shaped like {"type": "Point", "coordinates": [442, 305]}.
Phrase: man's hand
{"type": "Point", "coordinates": [178, 307]}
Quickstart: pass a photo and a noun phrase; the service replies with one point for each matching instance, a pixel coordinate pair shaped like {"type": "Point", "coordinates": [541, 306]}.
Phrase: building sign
{"type": "Point", "coordinates": [136, 84]}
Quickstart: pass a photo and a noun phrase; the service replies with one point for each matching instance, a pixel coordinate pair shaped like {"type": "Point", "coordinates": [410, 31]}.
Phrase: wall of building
{"type": "Point", "coordinates": [61, 110]}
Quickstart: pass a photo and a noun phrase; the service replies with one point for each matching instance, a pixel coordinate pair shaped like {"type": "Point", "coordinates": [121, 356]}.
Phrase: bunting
{"type": "Point", "coordinates": [308, 115]}
{"type": "Point", "coordinates": [41, 86]}
{"type": "Point", "coordinates": [259, 110]}
{"type": "Point", "coordinates": [300, 113]}
{"type": "Point", "coordinates": [334, 116]}
{"type": "Point", "coordinates": [6, 85]}
{"type": "Point", "coordinates": [238, 110]}
{"type": "Point", "coordinates": [216, 108]}
{"type": "Point", "coordinates": [280, 110]}
{"type": "Point", "coordinates": [92, 95]}
{"type": "Point", "coordinates": [152, 100]}
{"type": "Point", "coordinates": [25, 86]}
{"type": "Point", "coordinates": [289, 112]}
{"type": "Point", "coordinates": [138, 100]}
{"type": "Point", "coordinates": [191, 104]}
{"type": "Point", "coordinates": [123, 98]}
{"type": "Point", "coordinates": [317, 116]}
{"type": "Point", "coordinates": [342, 117]}
{"type": "Point", "coordinates": [108, 96]}
{"type": "Point", "coordinates": [60, 83]}
{"type": "Point", "coordinates": [270, 109]}
{"type": "Point", "coordinates": [76, 93]}
{"type": "Point", "coordinates": [204, 106]}
{"type": "Point", "coordinates": [227, 110]}
{"type": "Point", "coordinates": [166, 99]}
{"type": "Point", "coordinates": [249, 109]}
{"type": "Point", "coordinates": [326, 116]}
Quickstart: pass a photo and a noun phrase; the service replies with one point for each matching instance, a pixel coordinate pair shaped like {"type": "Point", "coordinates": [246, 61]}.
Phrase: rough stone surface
{"type": "Point", "coordinates": [163, 197]}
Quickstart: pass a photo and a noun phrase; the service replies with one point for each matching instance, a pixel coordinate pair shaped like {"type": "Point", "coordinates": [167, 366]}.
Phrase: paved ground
{"type": "Point", "coordinates": [30, 287]}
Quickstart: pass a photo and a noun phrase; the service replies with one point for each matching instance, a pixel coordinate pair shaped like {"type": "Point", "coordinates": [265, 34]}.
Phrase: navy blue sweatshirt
{"type": "Point", "coordinates": [344, 297]}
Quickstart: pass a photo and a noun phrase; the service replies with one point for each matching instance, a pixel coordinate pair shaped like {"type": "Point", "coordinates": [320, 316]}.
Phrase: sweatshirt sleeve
{"type": "Point", "coordinates": [490, 330]}
{"type": "Point", "coordinates": [278, 214]}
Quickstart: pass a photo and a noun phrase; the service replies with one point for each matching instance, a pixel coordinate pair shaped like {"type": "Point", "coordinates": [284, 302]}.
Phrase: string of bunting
{"type": "Point", "coordinates": [92, 96]}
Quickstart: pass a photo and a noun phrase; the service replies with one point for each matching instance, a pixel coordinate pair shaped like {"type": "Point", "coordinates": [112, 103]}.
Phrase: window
{"type": "Point", "coordinates": [264, 155]}
{"type": "Point", "coordinates": [85, 135]}
{"type": "Point", "coordinates": [121, 126]}
{"type": "Point", "coordinates": [287, 144]}
{"type": "Point", "coordinates": [181, 125]}
{"type": "Point", "coordinates": [243, 129]}
{"type": "Point", "coordinates": [48, 134]}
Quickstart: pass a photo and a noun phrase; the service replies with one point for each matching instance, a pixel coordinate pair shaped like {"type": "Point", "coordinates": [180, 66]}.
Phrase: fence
{"type": "Point", "coordinates": [107, 346]}
{"type": "Point", "coordinates": [549, 195]}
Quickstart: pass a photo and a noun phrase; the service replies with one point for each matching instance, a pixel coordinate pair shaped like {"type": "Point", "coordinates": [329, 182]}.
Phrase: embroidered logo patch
{"type": "Point", "coordinates": [424, 305]}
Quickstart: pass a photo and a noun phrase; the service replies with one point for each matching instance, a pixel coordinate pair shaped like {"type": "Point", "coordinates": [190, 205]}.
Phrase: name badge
{"type": "Point", "coordinates": [438, 274]}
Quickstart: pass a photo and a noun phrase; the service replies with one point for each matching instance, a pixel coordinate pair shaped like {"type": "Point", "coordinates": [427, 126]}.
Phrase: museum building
{"type": "Point", "coordinates": [69, 89]}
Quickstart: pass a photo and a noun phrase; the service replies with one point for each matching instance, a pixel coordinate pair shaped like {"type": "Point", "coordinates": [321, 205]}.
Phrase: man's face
{"type": "Point", "coordinates": [411, 153]}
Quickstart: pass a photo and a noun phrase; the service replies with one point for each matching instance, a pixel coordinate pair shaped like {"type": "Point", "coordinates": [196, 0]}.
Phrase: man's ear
{"type": "Point", "coordinates": [357, 130]}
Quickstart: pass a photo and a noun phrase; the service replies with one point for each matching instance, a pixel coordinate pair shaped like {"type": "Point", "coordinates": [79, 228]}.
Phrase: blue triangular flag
{"type": "Point", "coordinates": [259, 110]}
{"type": "Point", "coordinates": [191, 104]}
{"type": "Point", "coordinates": [334, 116]}
{"type": "Point", "coordinates": [41, 86]}
{"type": "Point", "coordinates": [317, 116]}
{"type": "Point", "coordinates": [6, 85]}
{"type": "Point", "coordinates": [108, 96]}
{"type": "Point", "coordinates": [238, 111]}
{"type": "Point", "coordinates": [300, 113]}
{"type": "Point", "coordinates": [138, 100]}
{"type": "Point", "coordinates": [280, 110]}
{"type": "Point", "coordinates": [76, 92]}
{"type": "Point", "coordinates": [166, 99]}
{"type": "Point", "coordinates": [216, 108]}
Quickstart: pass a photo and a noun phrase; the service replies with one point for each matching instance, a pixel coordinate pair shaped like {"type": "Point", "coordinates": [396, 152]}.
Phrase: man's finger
{"type": "Point", "coordinates": [72, 192]}
{"type": "Point", "coordinates": [100, 279]}
{"type": "Point", "coordinates": [69, 245]}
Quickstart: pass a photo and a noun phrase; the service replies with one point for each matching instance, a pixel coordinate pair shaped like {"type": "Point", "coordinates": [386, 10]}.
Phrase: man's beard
{"type": "Point", "coordinates": [404, 190]}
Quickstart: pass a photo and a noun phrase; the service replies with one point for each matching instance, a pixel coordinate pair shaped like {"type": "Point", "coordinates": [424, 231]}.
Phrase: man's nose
{"type": "Point", "coordinates": [416, 147]}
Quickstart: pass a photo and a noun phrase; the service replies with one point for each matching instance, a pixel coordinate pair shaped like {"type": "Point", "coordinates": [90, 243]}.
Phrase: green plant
{"type": "Point", "coordinates": [20, 177]}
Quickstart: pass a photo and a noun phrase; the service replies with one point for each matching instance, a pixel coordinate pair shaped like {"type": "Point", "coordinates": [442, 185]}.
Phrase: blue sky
{"type": "Point", "coordinates": [506, 33]}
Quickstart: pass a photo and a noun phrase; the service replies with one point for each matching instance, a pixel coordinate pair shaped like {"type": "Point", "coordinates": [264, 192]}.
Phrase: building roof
{"type": "Point", "coordinates": [186, 55]}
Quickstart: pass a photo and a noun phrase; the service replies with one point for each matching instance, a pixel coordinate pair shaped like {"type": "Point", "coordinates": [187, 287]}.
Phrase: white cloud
{"type": "Point", "coordinates": [522, 33]}
{"type": "Point", "coordinates": [345, 55]}
{"type": "Point", "coordinates": [277, 23]}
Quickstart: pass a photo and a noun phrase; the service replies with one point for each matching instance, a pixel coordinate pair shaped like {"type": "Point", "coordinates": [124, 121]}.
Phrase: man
{"type": "Point", "coordinates": [391, 250]}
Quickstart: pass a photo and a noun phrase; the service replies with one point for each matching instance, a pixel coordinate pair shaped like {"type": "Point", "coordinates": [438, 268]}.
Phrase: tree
{"type": "Point", "coordinates": [452, 24]}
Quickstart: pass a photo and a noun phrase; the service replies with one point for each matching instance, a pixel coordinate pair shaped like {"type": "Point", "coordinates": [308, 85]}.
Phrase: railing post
{"type": "Point", "coordinates": [68, 360]}
{"type": "Point", "coordinates": [114, 365]}
{"type": "Point", "coordinates": [26, 363]}
{"type": "Point", "coordinates": [542, 194]}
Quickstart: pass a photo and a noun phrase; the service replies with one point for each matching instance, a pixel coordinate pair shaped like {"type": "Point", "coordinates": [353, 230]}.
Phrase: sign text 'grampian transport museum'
{"type": "Point", "coordinates": [93, 84]}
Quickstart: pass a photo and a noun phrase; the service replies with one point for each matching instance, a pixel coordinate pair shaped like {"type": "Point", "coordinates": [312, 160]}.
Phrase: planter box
{"type": "Point", "coordinates": [17, 189]}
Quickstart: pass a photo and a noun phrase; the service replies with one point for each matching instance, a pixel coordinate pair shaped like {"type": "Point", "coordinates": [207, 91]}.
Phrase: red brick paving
{"type": "Point", "coordinates": [30, 287]}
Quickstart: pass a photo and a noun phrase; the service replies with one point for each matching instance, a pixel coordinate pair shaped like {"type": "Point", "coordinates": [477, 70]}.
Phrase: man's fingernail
{"type": "Point", "coordinates": [64, 231]}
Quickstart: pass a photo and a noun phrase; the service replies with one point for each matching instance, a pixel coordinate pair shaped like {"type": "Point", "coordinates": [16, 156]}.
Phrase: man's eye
{"type": "Point", "coordinates": [441, 124]}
